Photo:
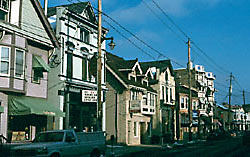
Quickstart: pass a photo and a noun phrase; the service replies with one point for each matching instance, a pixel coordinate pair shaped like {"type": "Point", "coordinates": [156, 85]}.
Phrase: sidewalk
{"type": "Point", "coordinates": [132, 150]}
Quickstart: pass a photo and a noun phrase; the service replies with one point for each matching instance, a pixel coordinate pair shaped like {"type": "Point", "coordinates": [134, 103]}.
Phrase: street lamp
{"type": "Point", "coordinates": [111, 44]}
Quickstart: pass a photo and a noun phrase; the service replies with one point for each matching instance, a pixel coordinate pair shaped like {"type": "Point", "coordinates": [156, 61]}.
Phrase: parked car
{"type": "Point", "coordinates": [63, 143]}
{"type": "Point", "coordinates": [217, 135]}
{"type": "Point", "coordinates": [246, 138]}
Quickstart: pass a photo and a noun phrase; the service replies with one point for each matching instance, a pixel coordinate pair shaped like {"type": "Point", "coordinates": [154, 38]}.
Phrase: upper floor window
{"type": "Point", "coordinates": [4, 9]}
{"type": "Point", "coordinates": [167, 95]}
{"type": "Point", "coordinates": [182, 103]}
{"type": "Point", "coordinates": [194, 105]}
{"type": "Point", "coordinates": [152, 100]}
{"type": "Point", "coordinates": [171, 95]}
{"type": "Point", "coordinates": [19, 63]}
{"type": "Point", "coordinates": [84, 35]}
{"type": "Point", "coordinates": [134, 95]}
{"type": "Point", "coordinates": [166, 76]}
{"type": "Point", "coordinates": [4, 60]}
{"type": "Point", "coordinates": [162, 92]}
{"type": "Point", "coordinates": [38, 67]}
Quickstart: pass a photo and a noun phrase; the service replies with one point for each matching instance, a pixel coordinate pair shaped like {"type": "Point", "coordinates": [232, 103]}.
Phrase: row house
{"type": "Point", "coordinates": [202, 83]}
{"type": "Point", "coordinates": [26, 42]}
{"type": "Point", "coordinates": [164, 121]}
{"type": "Point", "coordinates": [240, 118]}
{"type": "Point", "coordinates": [237, 116]}
{"type": "Point", "coordinates": [73, 81]}
{"type": "Point", "coordinates": [130, 101]}
{"type": "Point", "coordinates": [182, 111]}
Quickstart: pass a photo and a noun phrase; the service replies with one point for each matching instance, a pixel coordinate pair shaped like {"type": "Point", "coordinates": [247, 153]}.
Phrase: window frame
{"type": "Point", "coordinates": [84, 35]}
{"type": "Point", "coordinates": [5, 11]}
{"type": "Point", "coordinates": [22, 76]}
{"type": "Point", "coordinates": [9, 60]}
{"type": "Point", "coordinates": [135, 129]}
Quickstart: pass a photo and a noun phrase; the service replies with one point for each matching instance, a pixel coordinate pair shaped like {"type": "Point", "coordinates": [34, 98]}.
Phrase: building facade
{"type": "Point", "coordinates": [164, 120]}
{"type": "Point", "coordinates": [74, 78]}
{"type": "Point", "coordinates": [26, 41]}
{"type": "Point", "coordinates": [130, 102]}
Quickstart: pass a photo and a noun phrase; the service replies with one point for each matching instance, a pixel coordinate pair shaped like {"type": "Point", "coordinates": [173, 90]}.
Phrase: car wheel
{"type": "Point", "coordinates": [95, 153]}
{"type": "Point", "coordinates": [55, 155]}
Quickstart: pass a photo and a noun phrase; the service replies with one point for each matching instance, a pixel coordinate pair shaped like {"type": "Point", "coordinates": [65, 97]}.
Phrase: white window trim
{"type": "Point", "coordinates": [182, 98]}
{"type": "Point", "coordinates": [2, 74]}
{"type": "Point", "coordinates": [1, 8]}
{"type": "Point", "coordinates": [23, 64]}
{"type": "Point", "coordinates": [136, 127]}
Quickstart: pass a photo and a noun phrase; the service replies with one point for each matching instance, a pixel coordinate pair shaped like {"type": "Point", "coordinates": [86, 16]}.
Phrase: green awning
{"type": "Point", "coordinates": [39, 64]}
{"type": "Point", "coordinates": [23, 105]}
{"type": "Point", "coordinates": [1, 109]}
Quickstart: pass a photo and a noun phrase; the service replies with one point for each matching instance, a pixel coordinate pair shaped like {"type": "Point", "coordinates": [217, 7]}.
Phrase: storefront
{"type": "Point", "coordinates": [29, 115]}
{"type": "Point", "coordinates": [82, 112]}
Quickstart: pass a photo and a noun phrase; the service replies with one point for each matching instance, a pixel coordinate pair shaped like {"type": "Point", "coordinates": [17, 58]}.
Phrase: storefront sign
{"type": "Point", "coordinates": [89, 96]}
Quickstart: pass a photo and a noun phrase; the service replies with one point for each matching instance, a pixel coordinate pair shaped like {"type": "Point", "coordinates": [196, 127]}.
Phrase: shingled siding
{"type": "Point", "coordinates": [31, 23]}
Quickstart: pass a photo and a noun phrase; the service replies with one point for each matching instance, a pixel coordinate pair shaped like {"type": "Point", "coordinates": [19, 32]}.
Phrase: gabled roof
{"type": "Point", "coordinates": [162, 65]}
{"type": "Point", "coordinates": [115, 63]}
{"type": "Point", "coordinates": [45, 22]}
{"type": "Point", "coordinates": [77, 8]}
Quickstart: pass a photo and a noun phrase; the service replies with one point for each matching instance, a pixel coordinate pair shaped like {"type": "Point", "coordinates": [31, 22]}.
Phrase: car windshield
{"type": "Point", "coordinates": [49, 137]}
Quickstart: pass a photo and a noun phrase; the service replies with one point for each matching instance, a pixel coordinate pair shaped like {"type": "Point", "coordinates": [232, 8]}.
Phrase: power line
{"type": "Point", "coordinates": [129, 40]}
{"type": "Point", "coordinates": [164, 23]}
{"type": "Point", "coordinates": [170, 19]}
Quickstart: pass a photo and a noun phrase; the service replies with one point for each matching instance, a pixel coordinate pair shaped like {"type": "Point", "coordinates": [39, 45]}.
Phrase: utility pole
{"type": "Point", "coordinates": [177, 83]}
{"type": "Point", "coordinates": [99, 68]}
{"type": "Point", "coordinates": [190, 94]}
{"type": "Point", "coordinates": [245, 116]}
{"type": "Point", "coordinates": [229, 102]}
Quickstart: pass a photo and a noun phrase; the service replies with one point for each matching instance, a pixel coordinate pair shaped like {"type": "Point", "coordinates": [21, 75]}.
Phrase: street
{"type": "Point", "coordinates": [229, 147]}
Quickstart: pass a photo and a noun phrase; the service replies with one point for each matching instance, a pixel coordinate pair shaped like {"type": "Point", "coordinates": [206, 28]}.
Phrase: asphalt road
{"type": "Point", "coordinates": [231, 147]}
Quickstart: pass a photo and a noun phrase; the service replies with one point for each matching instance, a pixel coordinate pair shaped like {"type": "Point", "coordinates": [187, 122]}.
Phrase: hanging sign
{"type": "Point", "coordinates": [89, 96]}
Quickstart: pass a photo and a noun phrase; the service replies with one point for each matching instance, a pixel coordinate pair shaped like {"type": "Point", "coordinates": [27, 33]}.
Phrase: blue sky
{"type": "Point", "coordinates": [221, 28]}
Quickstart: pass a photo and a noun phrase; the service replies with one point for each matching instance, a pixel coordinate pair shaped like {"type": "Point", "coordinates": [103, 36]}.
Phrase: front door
{"type": "Point", "coordinates": [143, 133]}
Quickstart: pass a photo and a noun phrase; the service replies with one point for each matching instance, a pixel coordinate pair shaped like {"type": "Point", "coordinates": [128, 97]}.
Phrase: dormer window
{"type": "Point", "coordinates": [132, 78]}
{"type": "Point", "coordinates": [166, 76]}
{"type": "Point", "coordinates": [4, 9]}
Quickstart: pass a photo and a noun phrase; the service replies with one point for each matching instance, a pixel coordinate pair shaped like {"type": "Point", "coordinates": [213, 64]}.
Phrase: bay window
{"type": "Point", "coordinates": [4, 60]}
{"type": "Point", "coordinates": [19, 63]}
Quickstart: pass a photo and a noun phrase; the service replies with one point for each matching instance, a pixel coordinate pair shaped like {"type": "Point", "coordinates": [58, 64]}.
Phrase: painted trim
{"type": "Point", "coordinates": [117, 77]}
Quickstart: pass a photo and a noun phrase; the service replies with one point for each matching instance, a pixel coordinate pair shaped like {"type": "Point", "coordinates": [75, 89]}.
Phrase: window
{"type": "Point", "coordinates": [135, 129]}
{"type": "Point", "coordinates": [162, 92]}
{"type": "Point", "coordinates": [182, 103]}
{"type": "Point", "coordinates": [134, 95]}
{"type": "Point", "coordinates": [84, 69]}
{"type": "Point", "coordinates": [166, 76]}
{"type": "Point", "coordinates": [4, 9]}
{"type": "Point", "coordinates": [84, 35]}
{"type": "Point", "coordinates": [171, 95]}
{"type": "Point", "coordinates": [19, 68]}
{"type": "Point", "coordinates": [69, 64]}
{"type": "Point", "coordinates": [167, 94]}
{"type": "Point", "coordinates": [4, 60]}
{"type": "Point", "coordinates": [194, 105]}
{"type": "Point", "coordinates": [152, 99]}
{"type": "Point", "coordinates": [38, 67]}
{"type": "Point", "coordinates": [187, 102]}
